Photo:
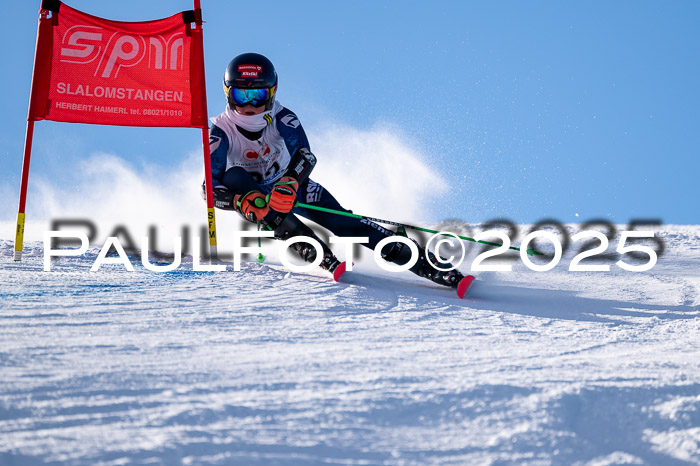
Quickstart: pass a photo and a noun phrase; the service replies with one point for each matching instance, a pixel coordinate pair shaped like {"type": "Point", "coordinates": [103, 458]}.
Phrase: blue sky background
{"type": "Point", "coordinates": [529, 110]}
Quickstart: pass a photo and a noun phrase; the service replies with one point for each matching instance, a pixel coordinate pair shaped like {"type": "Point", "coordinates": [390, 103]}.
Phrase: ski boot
{"type": "Point", "coordinates": [289, 227]}
{"type": "Point", "coordinates": [330, 262]}
{"type": "Point", "coordinates": [425, 267]}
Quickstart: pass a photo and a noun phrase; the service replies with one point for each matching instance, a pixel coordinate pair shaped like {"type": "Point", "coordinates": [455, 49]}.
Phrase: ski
{"type": "Point", "coordinates": [339, 271]}
{"type": "Point", "coordinates": [464, 285]}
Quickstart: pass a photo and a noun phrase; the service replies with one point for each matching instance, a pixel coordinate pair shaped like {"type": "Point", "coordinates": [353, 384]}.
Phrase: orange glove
{"type": "Point", "coordinates": [253, 206]}
{"type": "Point", "coordinates": [283, 195]}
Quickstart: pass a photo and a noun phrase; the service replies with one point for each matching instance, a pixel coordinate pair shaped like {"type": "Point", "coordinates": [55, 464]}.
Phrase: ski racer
{"type": "Point", "coordinates": [260, 164]}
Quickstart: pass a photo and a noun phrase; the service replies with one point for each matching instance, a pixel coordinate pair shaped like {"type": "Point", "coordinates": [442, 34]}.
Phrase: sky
{"type": "Point", "coordinates": [520, 110]}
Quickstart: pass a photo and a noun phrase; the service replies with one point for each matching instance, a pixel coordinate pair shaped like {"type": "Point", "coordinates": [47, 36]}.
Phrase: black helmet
{"type": "Point", "coordinates": [250, 71]}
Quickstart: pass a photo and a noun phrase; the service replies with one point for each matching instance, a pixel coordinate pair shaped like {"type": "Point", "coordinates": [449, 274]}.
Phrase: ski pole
{"type": "Point", "coordinates": [261, 256]}
{"type": "Point", "coordinates": [389, 222]}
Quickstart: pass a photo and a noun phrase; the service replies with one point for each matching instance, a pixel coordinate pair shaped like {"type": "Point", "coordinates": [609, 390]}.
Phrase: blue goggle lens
{"type": "Point", "coordinates": [254, 97]}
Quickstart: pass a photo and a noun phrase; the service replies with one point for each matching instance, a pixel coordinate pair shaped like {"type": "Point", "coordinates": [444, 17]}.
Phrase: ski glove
{"type": "Point", "coordinates": [253, 206]}
{"type": "Point", "coordinates": [283, 195]}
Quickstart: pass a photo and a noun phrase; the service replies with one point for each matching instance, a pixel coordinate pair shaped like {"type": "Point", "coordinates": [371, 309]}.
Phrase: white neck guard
{"type": "Point", "coordinates": [253, 122]}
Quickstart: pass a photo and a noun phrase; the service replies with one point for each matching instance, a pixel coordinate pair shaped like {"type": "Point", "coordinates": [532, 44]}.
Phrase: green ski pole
{"type": "Point", "coordinates": [389, 222]}
{"type": "Point", "coordinates": [261, 256]}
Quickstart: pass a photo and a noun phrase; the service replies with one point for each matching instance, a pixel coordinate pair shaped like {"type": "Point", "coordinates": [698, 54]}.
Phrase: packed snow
{"type": "Point", "coordinates": [269, 366]}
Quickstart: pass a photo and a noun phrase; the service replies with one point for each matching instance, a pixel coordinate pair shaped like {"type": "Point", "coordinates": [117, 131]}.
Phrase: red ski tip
{"type": "Point", "coordinates": [464, 284]}
{"type": "Point", "coordinates": [339, 271]}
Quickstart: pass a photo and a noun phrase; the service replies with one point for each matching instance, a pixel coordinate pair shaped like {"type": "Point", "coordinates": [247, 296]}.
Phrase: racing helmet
{"type": "Point", "coordinates": [250, 78]}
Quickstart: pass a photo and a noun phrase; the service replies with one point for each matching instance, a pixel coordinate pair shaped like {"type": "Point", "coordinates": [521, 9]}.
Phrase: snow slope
{"type": "Point", "coordinates": [265, 366]}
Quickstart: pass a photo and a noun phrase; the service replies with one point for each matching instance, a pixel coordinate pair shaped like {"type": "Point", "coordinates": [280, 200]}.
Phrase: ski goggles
{"type": "Point", "coordinates": [254, 97]}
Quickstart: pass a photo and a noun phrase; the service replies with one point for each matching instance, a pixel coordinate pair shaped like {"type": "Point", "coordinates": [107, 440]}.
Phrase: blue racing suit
{"type": "Point", "coordinates": [245, 160]}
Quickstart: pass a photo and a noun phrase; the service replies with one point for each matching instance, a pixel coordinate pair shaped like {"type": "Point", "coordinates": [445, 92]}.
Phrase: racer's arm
{"type": "Point", "coordinates": [284, 193]}
{"type": "Point", "coordinates": [218, 149]}
{"type": "Point", "coordinates": [303, 161]}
